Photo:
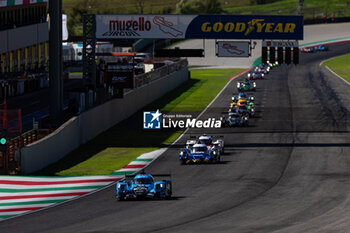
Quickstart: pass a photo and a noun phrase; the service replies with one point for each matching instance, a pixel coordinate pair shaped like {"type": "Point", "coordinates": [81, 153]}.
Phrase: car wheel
{"type": "Point", "coordinates": [168, 191]}
{"type": "Point", "coordinates": [120, 198]}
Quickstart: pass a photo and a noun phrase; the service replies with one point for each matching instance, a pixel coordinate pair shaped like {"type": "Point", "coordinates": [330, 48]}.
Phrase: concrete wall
{"type": "Point", "coordinates": [22, 37]}
{"type": "Point", "coordinates": [88, 125]}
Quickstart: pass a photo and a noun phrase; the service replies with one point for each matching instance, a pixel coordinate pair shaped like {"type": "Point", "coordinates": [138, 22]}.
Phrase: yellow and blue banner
{"type": "Point", "coordinates": [200, 27]}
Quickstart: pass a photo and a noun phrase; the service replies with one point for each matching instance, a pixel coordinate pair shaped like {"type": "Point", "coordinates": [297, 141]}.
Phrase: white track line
{"type": "Point", "coordinates": [337, 75]}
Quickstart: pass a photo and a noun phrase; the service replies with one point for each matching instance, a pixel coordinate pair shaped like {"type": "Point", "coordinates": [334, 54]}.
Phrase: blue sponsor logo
{"type": "Point", "coordinates": [152, 120]}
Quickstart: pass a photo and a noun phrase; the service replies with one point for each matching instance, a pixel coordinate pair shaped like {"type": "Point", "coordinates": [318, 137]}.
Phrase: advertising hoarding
{"type": "Point", "coordinates": [199, 27]}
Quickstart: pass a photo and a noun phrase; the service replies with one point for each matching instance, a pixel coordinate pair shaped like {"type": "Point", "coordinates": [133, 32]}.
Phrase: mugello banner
{"type": "Point", "coordinates": [199, 27]}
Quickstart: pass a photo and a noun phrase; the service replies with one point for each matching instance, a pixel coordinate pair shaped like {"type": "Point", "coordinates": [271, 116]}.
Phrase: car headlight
{"type": "Point", "coordinates": [161, 185]}
{"type": "Point", "coordinates": [254, 84]}
{"type": "Point", "coordinates": [119, 186]}
{"type": "Point", "coordinates": [246, 118]}
{"type": "Point", "coordinates": [252, 110]}
{"type": "Point", "coordinates": [238, 84]}
{"type": "Point", "coordinates": [263, 75]}
{"type": "Point", "coordinates": [181, 153]}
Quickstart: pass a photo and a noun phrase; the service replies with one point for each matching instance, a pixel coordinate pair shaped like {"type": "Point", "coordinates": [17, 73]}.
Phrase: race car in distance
{"type": "Point", "coordinates": [143, 186]}
{"type": "Point", "coordinates": [255, 75]}
{"type": "Point", "coordinates": [307, 50]}
{"type": "Point", "coordinates": [245, 111]}
{"type": "Point", "coordinates": [321, 48]}
{"type": "Point", "coordinates": [233, 106]}
{"type": "Point", "coordinates": [234, 119]}
{"type": "Point", "coordinates": [262, 69]}
{"type": "Point", "coordinates": [243, 95]}
{"type": "Point", "coordinates": [246, 85]}
{"type": "Point", "coordinates": [199, 153]}
{"type": "Point", "coordinates": [249, 104]}
{"type": "Point", "coordinates": [208, 141]}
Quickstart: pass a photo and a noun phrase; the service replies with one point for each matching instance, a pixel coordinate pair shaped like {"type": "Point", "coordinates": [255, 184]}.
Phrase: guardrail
{"type": "Point", "coordinates": [146, 78]}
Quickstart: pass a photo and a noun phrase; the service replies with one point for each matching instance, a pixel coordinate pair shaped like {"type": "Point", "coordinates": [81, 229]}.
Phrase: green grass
{"type": "Point", "coordinates": [341, 66]}
{"type": "Point", "coordinates": [124, 142]}
{"type": "Point", "coordinates": [311, 8]}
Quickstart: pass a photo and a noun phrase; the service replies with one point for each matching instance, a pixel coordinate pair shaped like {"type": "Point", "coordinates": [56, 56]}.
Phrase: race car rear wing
{"type": "Point", "coordinates": [212, 136]}
{"type": "Point", "coordinates": [129, 177]}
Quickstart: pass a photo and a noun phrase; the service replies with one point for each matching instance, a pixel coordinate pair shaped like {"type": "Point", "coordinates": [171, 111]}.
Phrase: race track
{"type": "Point", "coordinates": [287, 172]}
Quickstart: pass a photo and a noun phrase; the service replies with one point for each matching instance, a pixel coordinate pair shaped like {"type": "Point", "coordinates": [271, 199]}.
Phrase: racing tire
{"type": "Point", "coordinates": [168, 192]}
{"type": "Point", "coordinates": [182, 162]}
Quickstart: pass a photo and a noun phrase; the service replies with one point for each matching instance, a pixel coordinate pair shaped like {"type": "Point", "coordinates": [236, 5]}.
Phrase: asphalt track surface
{"type": "Point", "coordinates": [287, 172]}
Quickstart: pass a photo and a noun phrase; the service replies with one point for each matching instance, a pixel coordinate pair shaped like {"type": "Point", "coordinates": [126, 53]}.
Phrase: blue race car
{"type": "Point", "coordinates": [143, 186]}
{"type": "Point", "coordinates": [199, 153]}
{"type": "Point", "coordinates": [321, 48]}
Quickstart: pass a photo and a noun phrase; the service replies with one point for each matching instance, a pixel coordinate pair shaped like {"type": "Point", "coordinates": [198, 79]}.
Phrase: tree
{"type": "Point", "coordinates": [209, 7]}
{"type": "Point", "coordinates": [75, 19]}
{"type": "Point", "coordinates": [199, 7]}
{"type": "Point", "coordinates": [140, 5]}
{"type": "Point", "coordinates": [185, 7]}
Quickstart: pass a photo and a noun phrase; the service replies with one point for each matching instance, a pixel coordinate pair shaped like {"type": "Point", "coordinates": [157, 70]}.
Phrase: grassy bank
{"type": "Point", "coordinates": [341, 66]}
{"type": "Point", "coordinates": [124, 142]}
{"type": "Point", "coordinates": [311, 8]}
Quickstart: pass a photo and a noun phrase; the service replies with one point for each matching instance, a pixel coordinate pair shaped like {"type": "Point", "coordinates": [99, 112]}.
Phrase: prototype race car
{"type": "Point", "coordinates": [242, 95]}
{"type": "Point", "coordinates": [143, 186]}
{"type": "Point", "coordinates": [262, 69]}
{"type": "Point", "coordinates": [242, 99]}
{"type": "Point", "coordinates": [307, 50]}
{"type": "Point", "coordinates": [208, 141]}
{"type": "Point", "coordinates": [245, 111]}
{"type": "Point", "coordinates": [246, 85]}
{"type": "Point", "coordinates": [233, 106]}
{"type": "Point", "coordinates": [199, 153]}
{"type": "Point", "coordinates": [321, 48]}
{"type": "Point", "coordinates": [255, 75]}
{"type": "Point", "coordinates": [234, 119]}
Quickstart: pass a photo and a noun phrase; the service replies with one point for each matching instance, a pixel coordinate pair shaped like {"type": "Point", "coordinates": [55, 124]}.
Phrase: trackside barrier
{"type": "Point", "coordinates": [146, 78]}
{"type": "Point", "coordinates": [84, 127]}
{"type": "Point", "coordinates": [11, 159]}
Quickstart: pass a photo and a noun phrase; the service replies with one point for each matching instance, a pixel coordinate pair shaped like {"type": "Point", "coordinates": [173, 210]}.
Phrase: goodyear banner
{"type": "Point", "coordinates": [199, 27]}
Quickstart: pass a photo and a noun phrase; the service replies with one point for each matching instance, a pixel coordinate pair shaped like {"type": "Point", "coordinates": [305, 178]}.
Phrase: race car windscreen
{"type": "Point", "coordinates": [206, 141]}
{"type": "Point", "coordinates": [199, 149]}
{"type": "Point", "coordinates": [143, 181]}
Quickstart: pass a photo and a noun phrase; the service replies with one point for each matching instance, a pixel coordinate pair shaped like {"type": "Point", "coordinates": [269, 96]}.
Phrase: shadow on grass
{"type": "Point", "coordinates": [127, 134]}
